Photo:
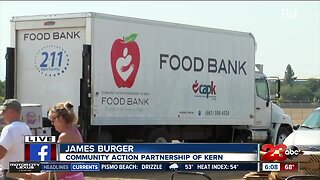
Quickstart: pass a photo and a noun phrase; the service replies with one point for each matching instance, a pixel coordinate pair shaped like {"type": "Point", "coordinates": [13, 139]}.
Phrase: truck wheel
{"type": "Point", "coordinates": [283, 133]}
{"type": "Point", "coordinates": [158, 136]}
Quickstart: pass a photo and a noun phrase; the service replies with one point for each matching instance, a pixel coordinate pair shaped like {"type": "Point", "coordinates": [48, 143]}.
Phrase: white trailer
{"type": "Point", "coordinates": [137, 79]}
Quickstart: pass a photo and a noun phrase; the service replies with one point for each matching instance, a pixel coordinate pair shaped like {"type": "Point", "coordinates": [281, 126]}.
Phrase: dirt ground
{"type": "Point", "coordinates": [298, 115]}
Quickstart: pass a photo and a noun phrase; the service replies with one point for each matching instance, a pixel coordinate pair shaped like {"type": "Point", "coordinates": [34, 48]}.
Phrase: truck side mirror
{"type": "Point", "coordinates": [296, 127]}
{"type": "Point", "coordinates": [274, 86]}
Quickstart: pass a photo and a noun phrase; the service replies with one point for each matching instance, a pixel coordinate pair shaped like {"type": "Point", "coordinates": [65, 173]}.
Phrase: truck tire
{"type": "Point", "coordinates": [283, 133]}
{"type": "Point", "coordinates": [159, 135]}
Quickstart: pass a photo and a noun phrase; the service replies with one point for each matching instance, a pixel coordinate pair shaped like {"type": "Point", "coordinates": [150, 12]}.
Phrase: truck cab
{"type": "Point", "coordinates": [270, 119]}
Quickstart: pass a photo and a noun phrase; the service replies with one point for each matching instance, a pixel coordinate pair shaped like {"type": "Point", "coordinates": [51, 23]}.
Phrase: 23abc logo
{"type": "Point", "coordinates": [279, 152]}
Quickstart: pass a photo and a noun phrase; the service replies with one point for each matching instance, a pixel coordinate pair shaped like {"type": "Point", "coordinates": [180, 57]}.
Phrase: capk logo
{"type": "Point", "coordinates": [279, 152]}
{"type": "Point", "coordinates": [205, 89]}
{"type": "Point", "coordinates": [125, 61]}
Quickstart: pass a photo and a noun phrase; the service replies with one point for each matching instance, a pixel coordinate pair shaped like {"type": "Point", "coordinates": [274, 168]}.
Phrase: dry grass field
{"type": "Point", "coordinates": [298, 114]}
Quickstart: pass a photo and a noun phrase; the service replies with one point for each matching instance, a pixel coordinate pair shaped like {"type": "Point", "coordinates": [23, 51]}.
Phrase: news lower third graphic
{"type": "Point", "coordinates": [35, 167]}
{"type": "Point", "coordinates": [40, 152]}
{"type": "Point", "coordinates": [280, 166]}
{"type": "Point", "coordinates": [40, 148]}
{"type": "Point", "coordinates": [44, 154]}
{"type": "Point", "coordinates": [24, 167]}
{"type": "Point", "coordinates": [183, 152]}
{"type": "Point", "coordinates": [279, 152]}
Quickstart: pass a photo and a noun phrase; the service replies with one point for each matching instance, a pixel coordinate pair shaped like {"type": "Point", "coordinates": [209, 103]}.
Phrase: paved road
{"type": "Point", "coordinates": [162, 176]}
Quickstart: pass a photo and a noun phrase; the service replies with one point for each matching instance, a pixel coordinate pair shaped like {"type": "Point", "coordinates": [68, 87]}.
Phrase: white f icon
{"type": "Point", "coordinates": [43, 153]}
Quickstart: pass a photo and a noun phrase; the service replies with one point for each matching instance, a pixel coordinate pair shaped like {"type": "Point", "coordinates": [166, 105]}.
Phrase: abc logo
{"type": "Point", "coordinates": [292, 152]}
{"type": "Point", "coordinates": [280, 152]}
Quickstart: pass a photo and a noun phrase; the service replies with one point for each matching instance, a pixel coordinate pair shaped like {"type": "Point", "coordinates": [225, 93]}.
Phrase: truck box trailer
{"type": "Point", "coordinates": [143, 80]}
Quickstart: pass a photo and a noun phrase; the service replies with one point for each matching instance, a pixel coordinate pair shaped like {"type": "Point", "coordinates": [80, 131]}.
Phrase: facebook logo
{"type": "Point", "coordinates": [43, 153]}
{"type": "Point", "coordinates": [40, 152]}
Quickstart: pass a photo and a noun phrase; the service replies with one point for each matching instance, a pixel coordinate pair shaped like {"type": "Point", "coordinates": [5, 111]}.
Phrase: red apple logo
{"type": "Point", "coordinates": [195, 86]}
{"type": "Point", "coordinates": [125, 61]}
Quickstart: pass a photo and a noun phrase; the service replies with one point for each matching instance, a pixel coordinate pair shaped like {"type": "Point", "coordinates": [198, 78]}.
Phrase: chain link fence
{"type": "Point", "coordinates": [298, 111]}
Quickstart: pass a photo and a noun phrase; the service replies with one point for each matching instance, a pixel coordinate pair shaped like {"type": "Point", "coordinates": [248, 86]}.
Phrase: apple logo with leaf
{"type": "Point", "coordinates": [195, 86]}
{"type": "Point", "coordinates": [125, 61]}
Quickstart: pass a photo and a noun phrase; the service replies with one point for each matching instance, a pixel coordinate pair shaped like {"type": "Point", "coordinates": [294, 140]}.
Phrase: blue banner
{"type": "Point", "coordinates": [65, 167]}
{"type": "Point", "coordinates": [85, 167]}
{"type": "Point", "coordinates": [158, 148]}
{"type": "Point", "coordinates": [179, 166]}
{"type": "Point", "coordinates": [94, 167]}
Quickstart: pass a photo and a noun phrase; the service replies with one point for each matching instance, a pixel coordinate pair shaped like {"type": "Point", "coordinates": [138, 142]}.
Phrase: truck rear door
{"type": "Point", "coordinates": [48, 59]}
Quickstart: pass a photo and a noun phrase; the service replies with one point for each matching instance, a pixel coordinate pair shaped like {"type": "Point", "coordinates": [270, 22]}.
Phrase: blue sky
{"type": "Point", "coordinates": [286, 32]}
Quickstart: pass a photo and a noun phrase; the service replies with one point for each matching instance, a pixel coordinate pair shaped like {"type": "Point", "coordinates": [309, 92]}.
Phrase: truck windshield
{"type": "Point", "coordinates": [262, 89]}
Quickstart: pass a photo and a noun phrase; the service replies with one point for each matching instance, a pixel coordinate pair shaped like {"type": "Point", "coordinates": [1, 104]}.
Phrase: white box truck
{"type": "Point", "coordinates": [143, 80]}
